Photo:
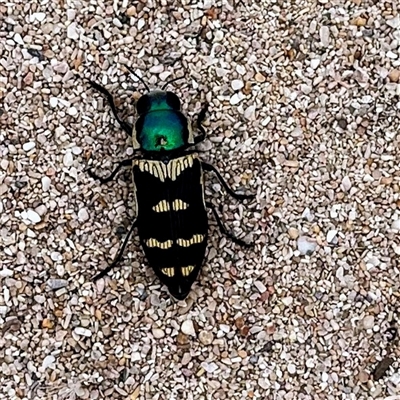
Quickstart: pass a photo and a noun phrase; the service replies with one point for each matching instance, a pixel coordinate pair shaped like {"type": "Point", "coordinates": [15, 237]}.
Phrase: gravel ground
{"type": "Point", "coordinates": [304, 100]}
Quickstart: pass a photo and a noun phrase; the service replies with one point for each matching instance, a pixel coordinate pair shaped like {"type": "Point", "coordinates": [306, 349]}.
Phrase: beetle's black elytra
{"type": "Point", "coordinates": [168, 183]}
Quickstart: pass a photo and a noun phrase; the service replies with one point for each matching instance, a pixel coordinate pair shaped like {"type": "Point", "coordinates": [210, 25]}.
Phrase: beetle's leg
{"type": "Point", "coordinates": [238, 196]}
{"type": "Point", "coordinates": [119, 255]}
{"type": "Point", "coordinates": [124, 125]}
{"type": "Point", "coordinates": [123, 163]}
{"type": "Point", "coordinates": [223, 229]}
{"type": "Point", "coordinates": [200, 119]}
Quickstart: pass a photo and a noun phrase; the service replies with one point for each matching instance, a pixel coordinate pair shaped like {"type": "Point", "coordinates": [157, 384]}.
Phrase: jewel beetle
{"type": "Point", "coordinates": [168, 180]}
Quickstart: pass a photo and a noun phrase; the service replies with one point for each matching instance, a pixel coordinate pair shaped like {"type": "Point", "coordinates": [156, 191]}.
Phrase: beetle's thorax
{"type": "Point", "coordinates": [161, 127]}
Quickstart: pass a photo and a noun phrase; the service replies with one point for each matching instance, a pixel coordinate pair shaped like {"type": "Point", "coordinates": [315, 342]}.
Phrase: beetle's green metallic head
{"type": "Point", "coordinates": [161, 127]}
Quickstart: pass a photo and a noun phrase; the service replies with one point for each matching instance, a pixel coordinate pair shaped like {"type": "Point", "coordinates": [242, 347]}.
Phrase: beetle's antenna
{"type": "Point", "coordinates": [170, 81]}
{"type": "Point", "coordinates": [137, 76]}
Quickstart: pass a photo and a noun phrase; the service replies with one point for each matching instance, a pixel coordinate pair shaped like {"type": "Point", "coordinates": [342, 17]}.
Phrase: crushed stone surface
{"type": "Point", "coordinates": [304, 112]}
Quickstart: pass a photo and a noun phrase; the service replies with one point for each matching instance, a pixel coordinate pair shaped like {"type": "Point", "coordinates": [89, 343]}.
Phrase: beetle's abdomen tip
{"type": "Point", "coordinates": [179, 295]}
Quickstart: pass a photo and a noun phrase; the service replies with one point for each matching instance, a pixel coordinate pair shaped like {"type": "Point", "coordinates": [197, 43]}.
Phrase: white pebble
{"type": "Point", "coordinates": [306, 89]}
{"type": "Point", "coordinates": [83, 331]}
{"type": "Point", "coordinates": [396, 225]}
{"type": "Point", "coordinates": [237, 84]}
{"type": "Point", "coordinates": [156, 69]}
{"type": "Point", "coordinates": [68, 158]}
{"type": "Point", "coordinates": [18, 39]}
{"type": "Point", "coordinates": [3, 310]}
{"type": "Point", "coordinates": [235, 99]}
{"type": "Point", "coordinates": [188, 328]}
{"type": "Point", "coordinates": [394, 22]}
{"type": "Point", "coordinates": [291, 369]}
{"type": "Point", "coordinates": [71, 14]}
{"type": "Point", "coordinates": [260, 286]}
{"type": "Point", "coordinates": [324, 36]}
{"type": "Point", "coordinates": [219, 35]}
{"type": "Point", "coordinates": [346, 184]}
{"type": "Point", "coordinates": [72, 111]}
{"type": "Point", "coordinates": [33, 216]}
{"type": "Point", "coordinates": [28, 146]}
{"type": "Point", "coordinates": [40, 16]}
{"type": "Point", "coordinates": [314, 63]}
{"type": "Point", "coordinates": [330, 236]}
{"type": "Point", "coordinates": [306, 245]}
{"type": "Point", "coordinates": [46, 182]}
{"type": "Point", "coordinates": [141, 23]}
{"type": "Point", "coordinates": [209, 367]}
{"type": "Point", "coordinates": [4, 273]}
{"type": "Point", "coordinates": [83, 215]}
{"type": "Point", "coordinates": [240, 69]}
{"type": "Point", "coordinates": [158, 333]}
{"type": "Point", "coordinates": [48, 361]}
{"type": "Point", "coordinates": [72, 31]}
{"type": "Point", "coordinates": [53, 102]}
{"type": "Point", "coordinates": [368, 322]}
{"type": "Point", "coordinates": [56, 256]}
{"type": "Point", "coordinates": [287, 301]}
{"type": "Point", "coordinates": [39, 299]}
{"type": "Point", "coordinates": [249, 113]}
{"type": "Point", "coordinates": [310, 363]}
{"type": "Point", "coordinates": [55, 284]}
{"type": "Point", "coordinates": [221, 72]}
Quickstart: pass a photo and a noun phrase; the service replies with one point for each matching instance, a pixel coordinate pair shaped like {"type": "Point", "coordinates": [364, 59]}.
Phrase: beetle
{"type": "Point", "coordinates": [168, 181]}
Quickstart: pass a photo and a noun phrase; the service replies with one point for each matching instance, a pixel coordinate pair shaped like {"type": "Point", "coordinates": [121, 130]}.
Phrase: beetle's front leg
{"type": "Point", "coordinates": [238, 196]}
{"type": "Point", "coordinates": [200, 119]}
{"type": "Point", "coordinates": [124, 125]}
{"type": "Point", "coordinates": [119, 255]}
{"type": "Point", "coordinates": [223, 229]}
{"type": "Point", "coordinates": [123, 163]}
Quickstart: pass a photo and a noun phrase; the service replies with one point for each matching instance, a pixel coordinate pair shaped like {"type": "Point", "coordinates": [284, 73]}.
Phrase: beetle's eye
{"type": "Point", "coordinates": [143, 105]}
{"type": "Point", "coordinates": [173, 101]}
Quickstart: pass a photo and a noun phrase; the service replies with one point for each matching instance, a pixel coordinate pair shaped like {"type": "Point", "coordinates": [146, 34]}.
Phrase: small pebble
{"type": "Point", "coordinates": [83, 331]}
{"type": "Point", "coordinates": [28, 146]}
{"type": "Point", "coordinates": [55, 284]}
{"type": "Point", "coordinates": [368, 322]}
{"type": "Point", "coordinates": [158, 333]}
{"type": "Point", "coordinates": [72, 111]}
{"type": "Point", "coordinates": [33, 216]}
{"type": "Point", "coordinates": [324, 35]}
{"type": "Point", "coordinates": [72, 31]}
{"type": "Point", "coordinates": [237, 84]}
{"type": "Point", "coordinates": [188, 328]}
{"type": "Point", "coordinates": [206, 337]}
{"type": "Point", "coordinates": [306, 245]}
{"type": "Point", "coordinates": [83, 215]}
{"type": "Point", "coordinates": [331, 235]}
{"type": "Point", "coordinates": [68, 159]}
{"type": "Point", "coordinates": [46, 182]}
{"type": "Point", "coordinates": [346, 184]}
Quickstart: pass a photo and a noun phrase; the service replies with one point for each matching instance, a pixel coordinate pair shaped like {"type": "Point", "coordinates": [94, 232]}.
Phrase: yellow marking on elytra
{"type": "Point", "coordinates": [161, 245]}
{"type": "Point", "coordinates": [186, 271]}
{"type": "Point", "coordinates": [168, 271]}
{"type": "Point", "coordinates": [163, 171]}
{"type": "Point", "coordinates": [161, 206]}
{"type": "Point", "coordinates": [195, 239]}
{"type": "Point", "coordinates": [178, 205]}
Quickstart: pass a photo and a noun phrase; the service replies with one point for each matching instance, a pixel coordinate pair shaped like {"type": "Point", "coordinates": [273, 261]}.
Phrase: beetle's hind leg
{"type": "Point", "coordinates": [119, 255]}
{"type": "Point", "coordinates": [238, 196]}
{"type": "Point", "coordinates": [223, 229]}
{"type": "Point", "coordinates": [200, 119]}
{"type": "Point", "coordinates": [124, 125]}
{"type": "Point", "coordinates": [121, 164]}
